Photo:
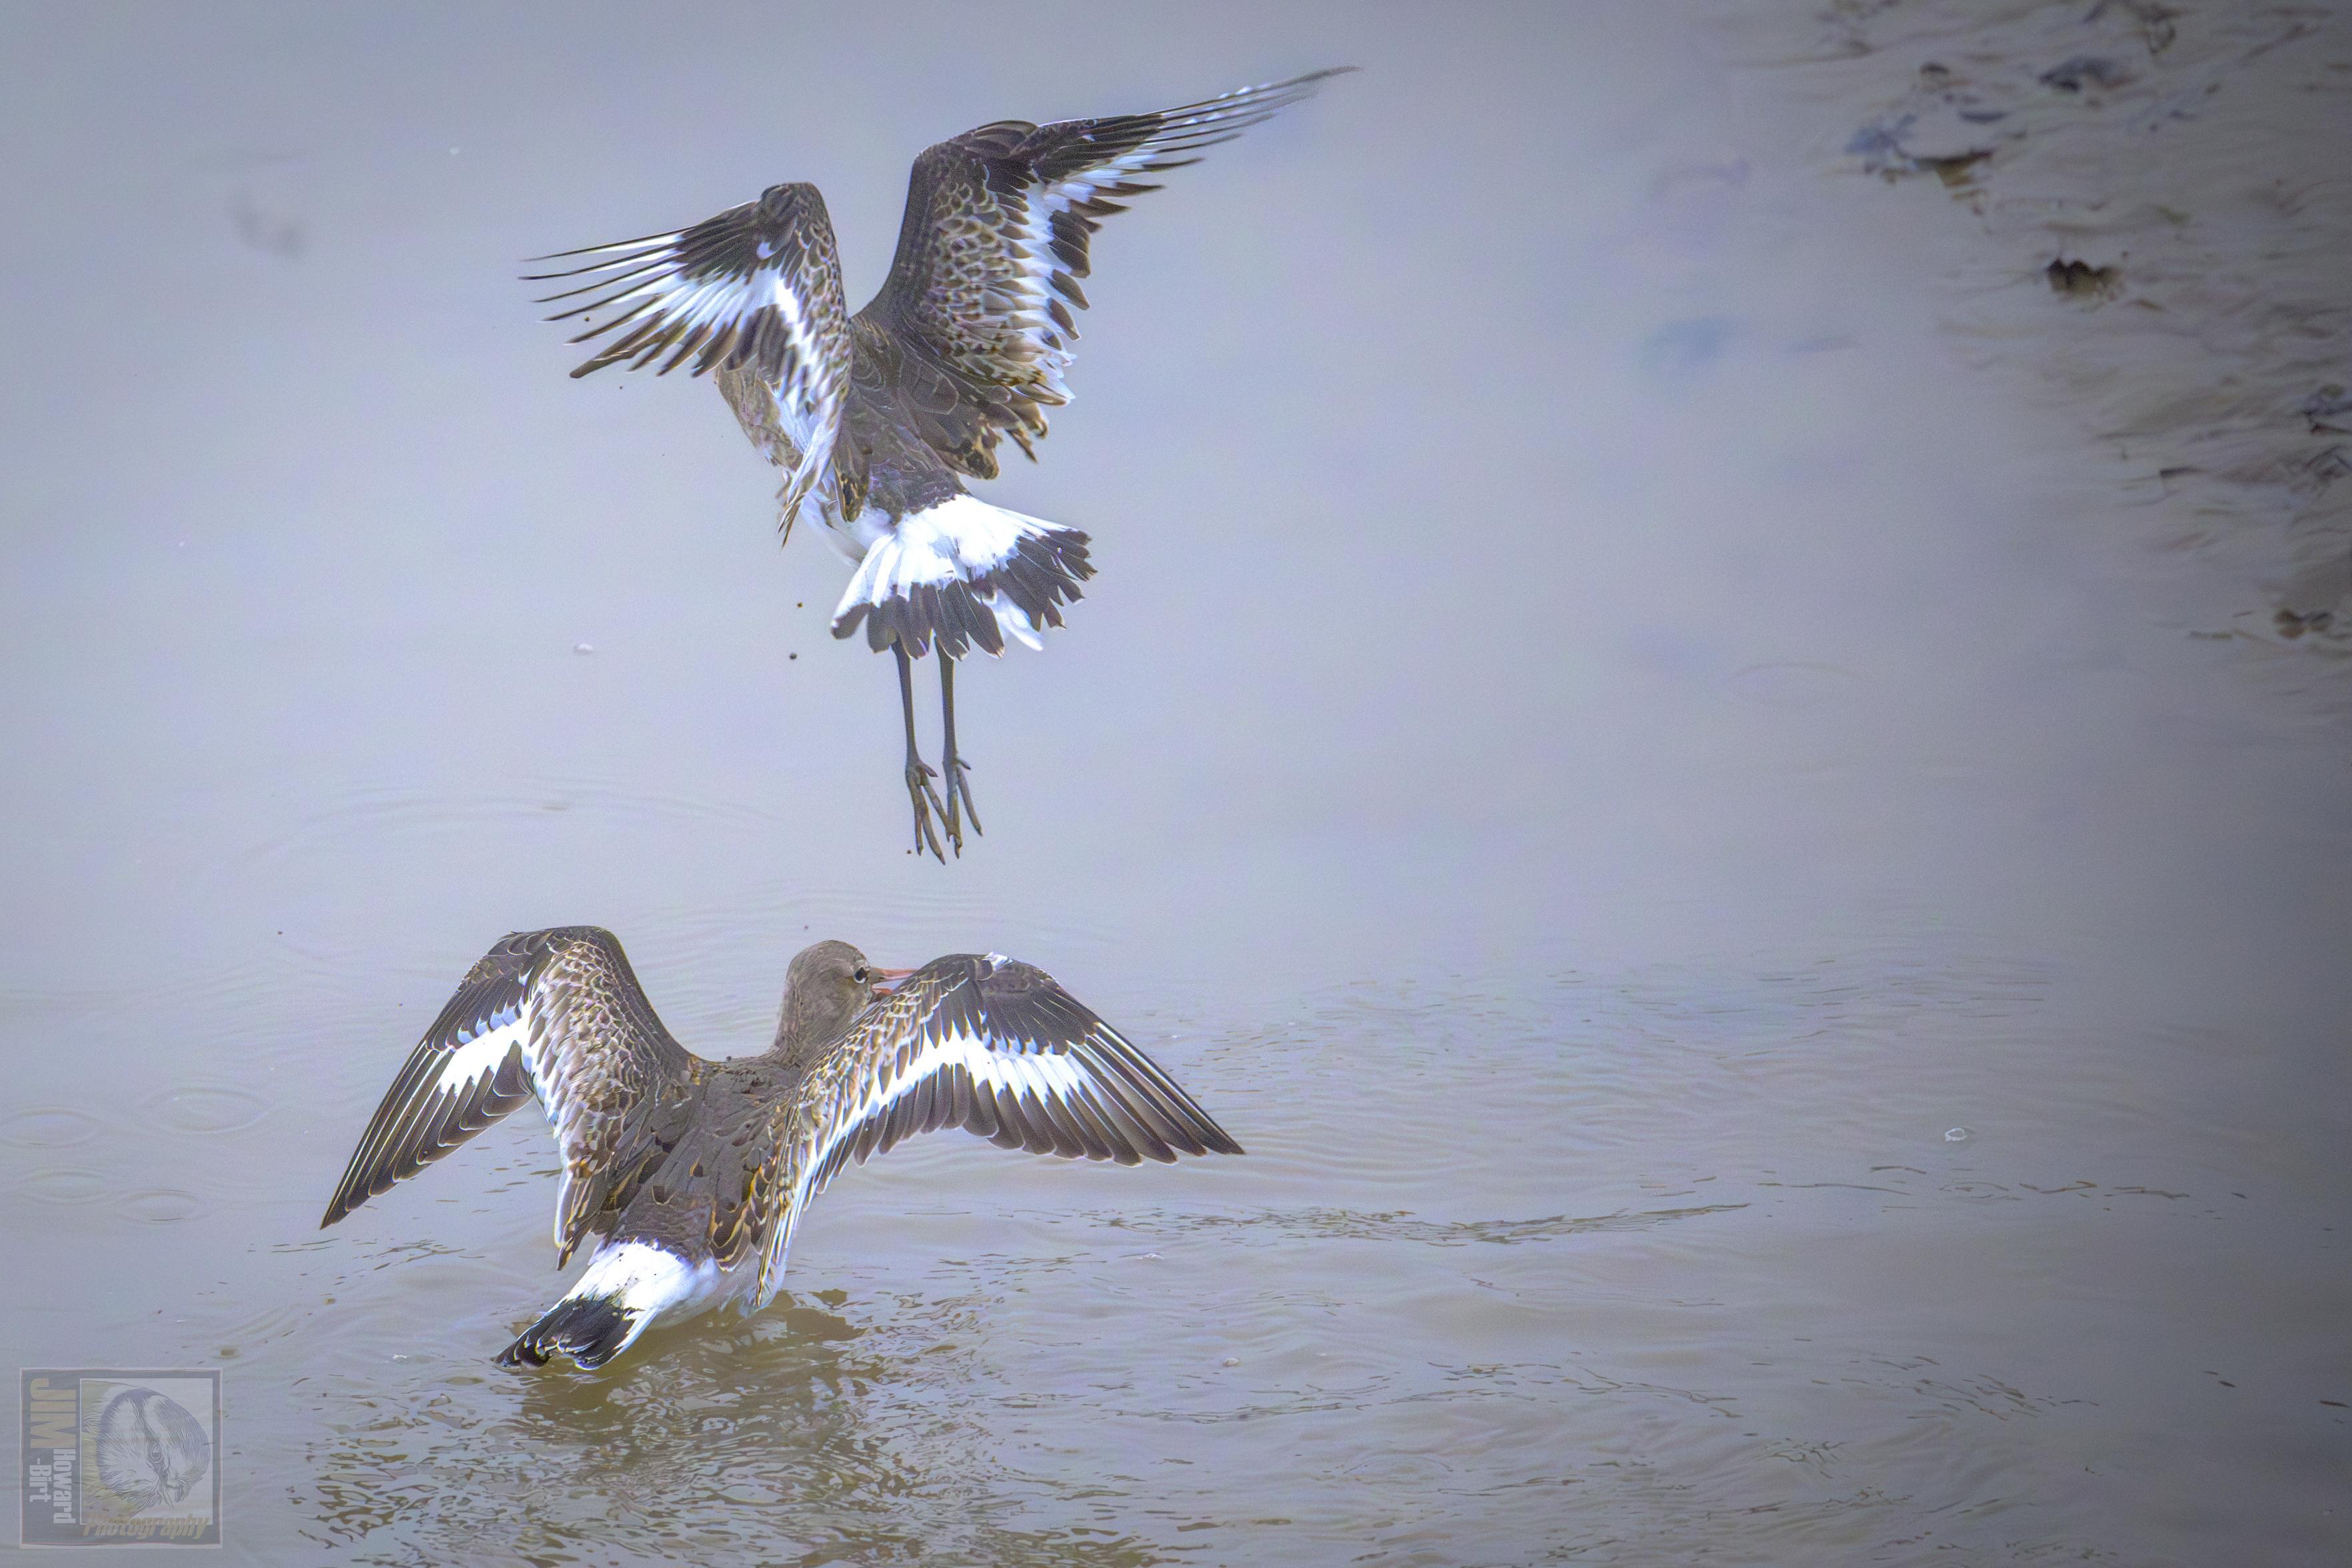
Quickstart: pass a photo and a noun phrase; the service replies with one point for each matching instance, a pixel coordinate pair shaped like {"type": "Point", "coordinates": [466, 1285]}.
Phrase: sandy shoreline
{"type": "Point", "coordinates": [2146, 232]}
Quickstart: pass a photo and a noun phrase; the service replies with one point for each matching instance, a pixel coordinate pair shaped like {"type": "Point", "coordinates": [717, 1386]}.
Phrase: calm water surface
{"type": "Point", "coordinates": [1703, 762]}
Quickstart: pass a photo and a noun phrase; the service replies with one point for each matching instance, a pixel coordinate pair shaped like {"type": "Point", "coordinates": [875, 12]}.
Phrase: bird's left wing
{"type": "Point", "coordinates": [558, 1014]}
{"type": "Point", "coordinates": [753, 294]}
{"type": "Point", "coordinates": [993, 1046]}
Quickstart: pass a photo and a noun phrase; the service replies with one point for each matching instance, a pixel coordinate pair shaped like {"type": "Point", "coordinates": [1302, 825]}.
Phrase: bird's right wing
{"type": "Point", "coordinates": [993, 1046]}
{"type": "Point", "coordinates": [998, 230]}
{"type": "Point", "coordinates": [753, 294]}
{"type": "Point", "coordinates": [558, 1014]}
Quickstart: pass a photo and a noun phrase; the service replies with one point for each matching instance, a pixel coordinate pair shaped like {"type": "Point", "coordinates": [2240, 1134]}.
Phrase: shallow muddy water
{"type": "Point", "coordinates": [1735, 778]}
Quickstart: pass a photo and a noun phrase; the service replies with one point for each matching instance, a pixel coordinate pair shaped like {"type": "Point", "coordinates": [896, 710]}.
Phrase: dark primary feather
{"type": "Point", "coordinates": [704, 292]}
{"type": "Point", "coordinates": [753, 294]}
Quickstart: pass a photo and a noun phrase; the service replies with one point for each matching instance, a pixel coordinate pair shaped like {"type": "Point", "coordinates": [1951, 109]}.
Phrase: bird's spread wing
{"type": "Point", "coordinates": [997, 1048]}
{"type": "Point", "coordinates": [979, 300]}
{"type": "Point", "coordinates": [558, 1014]}
{"type": "Point", "coordinates": [753, 294]}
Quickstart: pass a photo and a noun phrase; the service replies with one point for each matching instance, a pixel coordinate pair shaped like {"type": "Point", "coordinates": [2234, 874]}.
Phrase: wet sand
{"type": "Point", "coordinates": [2174, 175]}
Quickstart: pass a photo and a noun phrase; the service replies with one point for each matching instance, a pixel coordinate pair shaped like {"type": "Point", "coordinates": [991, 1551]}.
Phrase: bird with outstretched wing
{"type": "Point", "coordinates": [690, 1174]}
{"type": "Point", "coordinates": [877, 419]}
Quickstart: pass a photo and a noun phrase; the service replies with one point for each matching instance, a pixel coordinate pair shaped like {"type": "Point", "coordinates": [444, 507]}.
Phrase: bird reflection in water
{"type": "Point", "coordinates": [792, 1434]}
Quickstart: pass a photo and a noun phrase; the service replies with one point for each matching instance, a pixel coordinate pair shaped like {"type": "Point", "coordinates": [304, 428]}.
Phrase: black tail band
{"type": "Point", "coordinates": [590, 1330]}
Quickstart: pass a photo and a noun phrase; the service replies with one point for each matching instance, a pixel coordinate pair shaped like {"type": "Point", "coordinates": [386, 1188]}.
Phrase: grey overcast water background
{"type": "Point", "coordinates": [1743, 799]}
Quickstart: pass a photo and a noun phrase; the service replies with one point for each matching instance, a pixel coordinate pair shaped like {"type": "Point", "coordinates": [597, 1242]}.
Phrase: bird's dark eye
{"type": "Point", "coordinates": [860, 976]}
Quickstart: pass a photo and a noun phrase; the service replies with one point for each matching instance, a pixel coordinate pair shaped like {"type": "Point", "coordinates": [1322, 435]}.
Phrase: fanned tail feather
{"type": "Point", "coordinates": [626, 1286]}
{"type": "Point", "coordinates": [591, 1332]}
{"type": "Point", "coordinates": [962, 574]}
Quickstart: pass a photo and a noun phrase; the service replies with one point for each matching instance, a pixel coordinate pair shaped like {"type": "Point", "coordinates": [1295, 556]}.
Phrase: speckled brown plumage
{"type": "Point", "coordinates": [712, 1162]}
{"type": "Point", "coordinates": [588, 1043]}
{"type": "Point", "coordinates": [969, 336]}
{"type": "Point", "coordinates": [877, 420]}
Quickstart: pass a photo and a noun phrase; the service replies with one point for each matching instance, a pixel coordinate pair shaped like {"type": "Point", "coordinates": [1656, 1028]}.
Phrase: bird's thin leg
{"type": "Point", "coordinates": [918, 773]}
{"type": "Point", "coordinates": [951, 763]}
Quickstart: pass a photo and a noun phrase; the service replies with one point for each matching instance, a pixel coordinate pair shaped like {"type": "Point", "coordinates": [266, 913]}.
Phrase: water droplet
{"type": "Point", "coordinates": [1230, 1360]}
{"type": "Point", "coordinates": [583, 647]}
{"type": "Point", "coordinates": [1956, 1135]}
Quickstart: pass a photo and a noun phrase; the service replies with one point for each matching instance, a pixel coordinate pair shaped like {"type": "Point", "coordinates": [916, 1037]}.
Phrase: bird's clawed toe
{"type": "Point", "coordinates": [959, 806]}
{"type": "Point", "coordinates": [928, 808]}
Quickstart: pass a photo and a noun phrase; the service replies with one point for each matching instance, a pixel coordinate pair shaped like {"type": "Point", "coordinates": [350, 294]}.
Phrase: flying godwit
{"type": "Point", "coordinates": [877, 419]}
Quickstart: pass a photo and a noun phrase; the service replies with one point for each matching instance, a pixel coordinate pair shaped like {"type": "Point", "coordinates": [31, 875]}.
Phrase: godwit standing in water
{"type": "Point", "coordinates": [694, 1172]}
{"type": "Point", "coordinates": [877, 419]}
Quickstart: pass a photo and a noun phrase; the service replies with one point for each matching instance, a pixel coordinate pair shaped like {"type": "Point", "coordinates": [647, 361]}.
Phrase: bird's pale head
{"type": "Point", "coordinates": [826, 986]}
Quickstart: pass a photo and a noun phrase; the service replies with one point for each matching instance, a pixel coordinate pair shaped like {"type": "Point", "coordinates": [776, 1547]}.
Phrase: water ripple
{"type": "Point", "coordinates": [49, 1127]}
{"type": "Point", "coordinates": [164, 1206]}
{"type": "Point", "coordinates": [62, 1185]}
{"type": "Point", "coordinates": [214, 1109]}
